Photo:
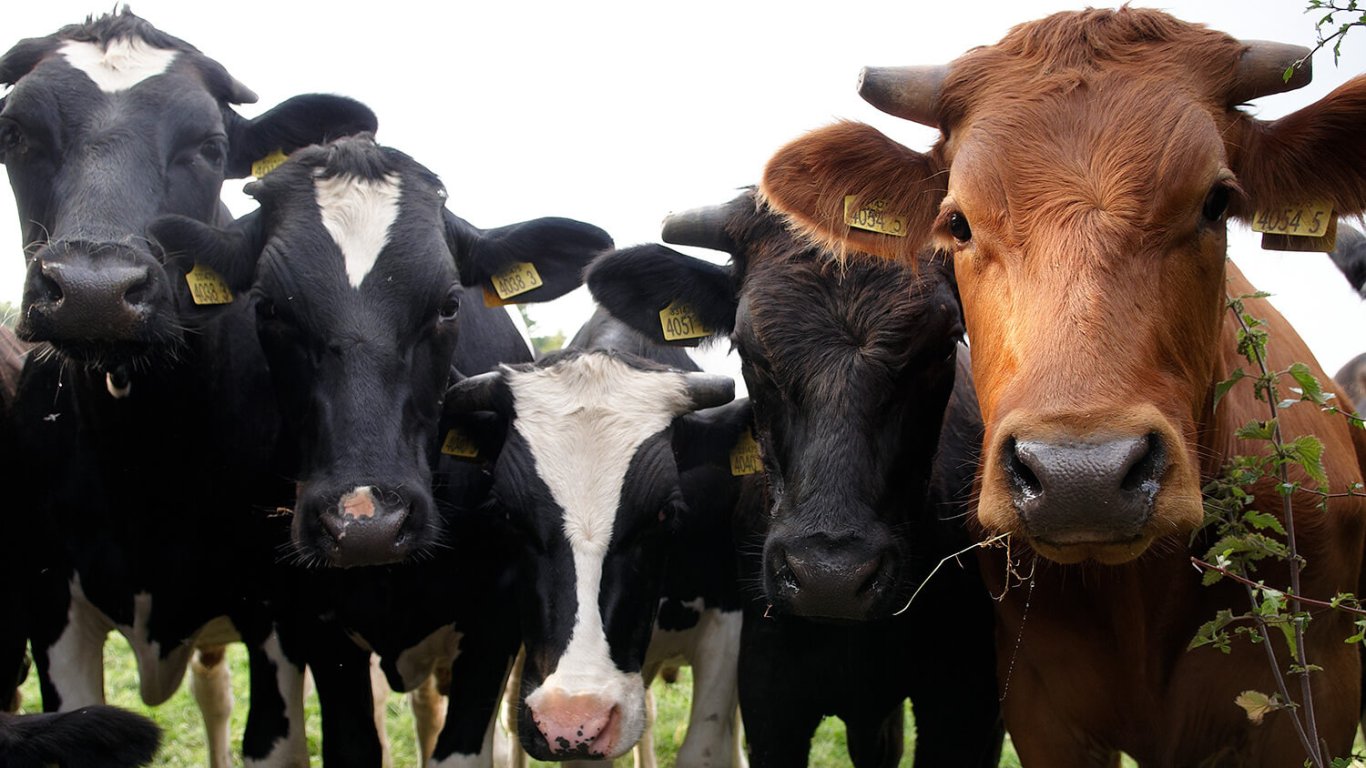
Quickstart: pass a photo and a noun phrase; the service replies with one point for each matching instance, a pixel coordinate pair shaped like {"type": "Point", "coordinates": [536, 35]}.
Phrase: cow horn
{"type": "Point", "coordinates": [911, 93]}
{"type": "Point", "coordinates": [476, 393]}
{"type": "Point", "coordinates": [1261, 70]}
{"type": "Point", "coordinates": [709, 390]}
{"type": "Point", "coordinates": [702, 227]}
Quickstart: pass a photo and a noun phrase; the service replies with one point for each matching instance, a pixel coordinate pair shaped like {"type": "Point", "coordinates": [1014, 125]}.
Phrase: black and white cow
{"type": "Point", "coordinates": [97, 735]}
{"type": "Point", "coordinates": [589, 476]}
{"type": "Point", "coordinates": [366, 291]}
{"type": "Point", "coordinates": [865, 493]}
{"type": "Point", "coordinates": [143, 441]}
{"type": "Point", "coordinates": [1349, 254]}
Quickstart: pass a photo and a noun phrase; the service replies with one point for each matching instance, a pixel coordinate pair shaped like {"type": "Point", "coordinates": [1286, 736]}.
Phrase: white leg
{"type": "Point", "coordinates": [379, 690]}
{"type": "Point", "coordinates": [712, 722]}
{"type": "Point", "coordinates": [76, 660]}
{"type": "Point", "coordinates": [429, 715]}
{"type": "Point", "coordinates": [507, 748]}
{"type": "Point", "coordinates": [212, 689]}
{"type": "Point", "coordinates": [644, 752]}
{"type": "Point", "coordinates": [292, 750]}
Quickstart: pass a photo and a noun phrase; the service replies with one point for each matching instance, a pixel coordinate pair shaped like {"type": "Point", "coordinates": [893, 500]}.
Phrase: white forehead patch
{"type": "Point", "coordinates": [126, 62]}
{"type": "Point", "coordinates": [358, 213]}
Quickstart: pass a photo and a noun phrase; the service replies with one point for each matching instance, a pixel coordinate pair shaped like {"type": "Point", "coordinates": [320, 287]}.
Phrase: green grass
{"type": "Point", "coordinates": [183, 731]}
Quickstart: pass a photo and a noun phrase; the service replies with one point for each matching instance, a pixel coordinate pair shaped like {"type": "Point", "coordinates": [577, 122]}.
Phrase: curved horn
{"type": "Point", "coordinates": [1261, 70]}
{"type": "Point", "coordinates": [709, 390]}
{"type": "Point", "coordinates": [476, 393]}
{"type": "Point", "coordinates": [702, 227]}
{"type": "Point", "coordinates": [911, 93]}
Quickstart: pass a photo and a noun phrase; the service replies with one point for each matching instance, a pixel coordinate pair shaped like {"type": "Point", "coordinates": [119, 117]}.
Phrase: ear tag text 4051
{"type": "Point", "coordinates": [680, 322]}
{"type": "Point", "coordinates": [744, 457]}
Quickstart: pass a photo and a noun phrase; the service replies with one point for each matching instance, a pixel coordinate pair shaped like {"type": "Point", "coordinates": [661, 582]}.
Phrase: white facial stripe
{"type": "Point", "coordinates": [584, 420]}
{"type": "Point", "coordinates": [122, 65]}
{"type": "Point", "coordinates": [358, 214]}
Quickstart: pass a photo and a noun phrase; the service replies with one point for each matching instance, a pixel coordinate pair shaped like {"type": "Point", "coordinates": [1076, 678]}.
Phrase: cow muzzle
{"type": "Point", "coordinates": [847, 576]}
{"type": "Point", "coordinates": [366, 525]}
{"type": "Point", "coordinates": [79, 294]}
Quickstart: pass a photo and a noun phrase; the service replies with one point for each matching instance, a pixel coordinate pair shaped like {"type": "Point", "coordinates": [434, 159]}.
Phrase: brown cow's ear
{"type": "Point", "coordinates": [1316, 154]}
{"type": "Point", "coordinates": [848, 187]}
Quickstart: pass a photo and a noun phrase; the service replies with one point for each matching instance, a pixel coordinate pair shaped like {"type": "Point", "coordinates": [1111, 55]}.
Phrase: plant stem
{"type": "Point", "coordinates": [1265, 629]}
{"type": "Point", "coordinates": [1259, 585]}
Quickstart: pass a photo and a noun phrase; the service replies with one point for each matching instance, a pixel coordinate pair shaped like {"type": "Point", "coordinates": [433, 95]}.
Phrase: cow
{"type": "Point", "coordinates": [96, 735]}
{"type": "Point", "coordinates": [588, 474]}
{"type": "Point", "coordinates": [1349, 254]}
{"type": "Point", "coordinates": [108, 124]}
{"type": "Point", "coordinates": [365, 292]}
{"type": "Point", "coordinates": [1086, 168]}
{"type": "Point", "coordinates": [863, 497]}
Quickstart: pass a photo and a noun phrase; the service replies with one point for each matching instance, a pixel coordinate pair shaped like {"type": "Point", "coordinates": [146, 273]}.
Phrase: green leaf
{"type": "Point", "coordinates": [1224, 386]}
{"type": "Point", "coordinates": [1310, 387]}
{"type": "Point", "coordinates": [1257, 430]}
{"type": "Point", "coordinates": [1307, 453]}
{"type": "Point", "coordinates": [1263, 521]}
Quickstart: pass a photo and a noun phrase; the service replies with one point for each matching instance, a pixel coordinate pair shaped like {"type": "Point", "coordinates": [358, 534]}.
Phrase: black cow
{"type": "Point", "coordinates": [1349, 254]}
{"type": "Point", "coordinates": [98, 735]}
{"type": "Point", "coordinates": [589, 476]}
{"type": "Point", "coordinates": [850, 369]}
{"type": "Point", "coordinates": [355, 270]}
{"type": "Point", "coordinates": [148, 448]}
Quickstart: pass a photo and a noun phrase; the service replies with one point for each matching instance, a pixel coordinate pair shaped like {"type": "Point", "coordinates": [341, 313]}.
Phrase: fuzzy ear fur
{"type": "Point", "coordinates": [232, 252]}
{"type": "Point", "coordinates": [635, 284]}
{"type": "Point", "coordinates": [558, 248]}
{"type": "Point", "coordinates": [1317, 153]}
{"type": "Point", "coordinates": [808, 180]}
{"type": "Point", "coordinates": [313, 118]}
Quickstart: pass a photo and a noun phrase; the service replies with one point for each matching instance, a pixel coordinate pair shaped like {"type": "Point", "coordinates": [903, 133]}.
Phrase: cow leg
{"type": "Point", "coordinates": [68, 648]}
{"type": "Point", "coordinates": [429, 711]}
{"type": "Point", "coordinates": [274, 736]}
{"type": "Point", "coordinates": [878, 743]}
{"type": "Point", "coordinates": [478, 675]}
{"type": "Point", "coordinates": [643, 755]}
{"type": "Point", "coordinates": [779, 732]}
{"type": "Point", "coordinates": [341, 670]}
{"type": "Point", "coordinates": [711, 722]}
{"type": "Point", "coordinates": [379, 692]}
{"type": "Point", "coordinates": [212, 690]}
{"type": "Point", "coordinates": [507, 747]}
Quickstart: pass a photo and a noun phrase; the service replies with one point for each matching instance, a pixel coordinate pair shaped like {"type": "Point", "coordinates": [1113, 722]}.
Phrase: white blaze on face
{"type": "Point", "coordinates": [358, 214]}
{"type": "Point", "coordinates": [583, 420]}
{"type": "Point", "coordinates": [120, 66]}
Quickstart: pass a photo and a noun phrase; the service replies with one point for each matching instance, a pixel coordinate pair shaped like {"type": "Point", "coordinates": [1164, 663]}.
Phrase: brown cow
{"type": "Point", "coordinates": [1084, 173]}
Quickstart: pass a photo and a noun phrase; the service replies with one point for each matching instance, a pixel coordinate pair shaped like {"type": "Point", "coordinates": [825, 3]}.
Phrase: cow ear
{"type": "Point", "coordinates": [710, 436]}
{"type": "Point", "coordinates": [647, 285]}
{"type": "Point", "coordinates": [24, 56]}
{"type": "Point", "coordinates": [230, 254]}
{"type": "Point", "coordinates": [1349, 254]}
{"type": "Point", "coordinates": [556, 250]}
{"type": "Point", "coordinates": [1315, 154]}
{"type": "Point", "coordinates": [852, 172]}
{"type": "Point", "coordinates": [476, 437]}
{"type": "Point", "coordinates": [313, 118]}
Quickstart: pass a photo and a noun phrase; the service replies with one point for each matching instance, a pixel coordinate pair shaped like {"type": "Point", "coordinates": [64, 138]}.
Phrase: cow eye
{"type": "Point", "coordinates": [1216, 203]}
{"type": "Point", "coordinates": [449, 306]}
{"type": "Point", "coordinates": [214, 150]}
{"type": "Point", "coordinates": [11, 138]}
{"type": "Point", "coordinates": [958, 227]}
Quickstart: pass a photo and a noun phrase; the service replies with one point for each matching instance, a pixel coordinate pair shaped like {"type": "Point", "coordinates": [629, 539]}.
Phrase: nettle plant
{"type": "Point", "coordinates": [1243, 537]}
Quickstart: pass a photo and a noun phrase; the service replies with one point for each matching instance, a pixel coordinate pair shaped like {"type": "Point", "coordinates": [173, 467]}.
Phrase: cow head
{"type": "Point", "coordinates": [355, 269]}
{"type": "Point", "coordinates": [109, 124]}
{"type": "Point", "coordinates": [588, 476]}
{"type": "Point", "coordinates": [1086, 168]}
{"type": "Point", "coordinates": [1349, 254]}
{"type": "Point", "coordinates": [849, 369]}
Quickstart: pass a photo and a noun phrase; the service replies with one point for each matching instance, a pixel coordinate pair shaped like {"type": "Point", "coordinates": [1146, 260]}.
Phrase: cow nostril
{"type": "Point", "coordinates": [138, 291]}
{"type": "Point", "coordinates": [1023, 480]}
{"type": "Point", "coordinates": [788, 576]}
{"type": "Point", "coordinates": [46, 288]}
{"type": "Point", "coordinates": [1148, 463]}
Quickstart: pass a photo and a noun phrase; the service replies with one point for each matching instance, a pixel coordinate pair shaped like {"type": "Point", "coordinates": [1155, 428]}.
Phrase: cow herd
{"type": "Point", "coordinates": [981, 411]}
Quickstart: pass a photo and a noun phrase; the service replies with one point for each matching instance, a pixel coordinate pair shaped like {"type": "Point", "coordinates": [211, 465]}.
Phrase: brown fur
{"type": "Point", "coordinates": [1082, 149]}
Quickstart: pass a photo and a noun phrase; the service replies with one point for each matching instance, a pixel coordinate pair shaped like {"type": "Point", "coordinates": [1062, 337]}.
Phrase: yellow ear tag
{"type": "Point", "coordinates": [1305, 227]}
{"type": "Point", "coordinates": [679, 323]}
{"type": "Point", "coordinates": [207, 286]}
{"type": "Point", "coordinates": [744, 457]}
{"type": "Point", "coordinates": [873, 217]}
{"type": "Point", "coordinates": [459, 444]}
{"type": "Point", "coordinates": [516, 280]}
{"type": "Point", "coordinates": [265, 165]}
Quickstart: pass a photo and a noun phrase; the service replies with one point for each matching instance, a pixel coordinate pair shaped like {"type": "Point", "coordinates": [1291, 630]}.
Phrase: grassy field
{"type": "Point", "coordinates": [183, 734]}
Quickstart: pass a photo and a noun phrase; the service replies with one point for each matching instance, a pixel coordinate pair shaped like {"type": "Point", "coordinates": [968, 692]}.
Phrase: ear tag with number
{"type": "Point", "coordinates": [460, 445]}
{"type": "Point", "coordinates": [680, 322]}
{"type": "Point", "coordinates": [265, 165]}
{"type": "Point", "coordinates": [1304, 227]}
{"type": "Point", "coordinates": [516, 280]}
{"type": "Point", "coordinates": [744, 457]}
{"type": "Point", "coordinates": [207, 286]}
{"type": "Point", "coordinates": [873, 217]}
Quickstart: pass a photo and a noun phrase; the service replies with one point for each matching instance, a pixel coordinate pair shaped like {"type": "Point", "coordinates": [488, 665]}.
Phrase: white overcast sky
{"type": "Point", "coordinates": [617, 113]}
